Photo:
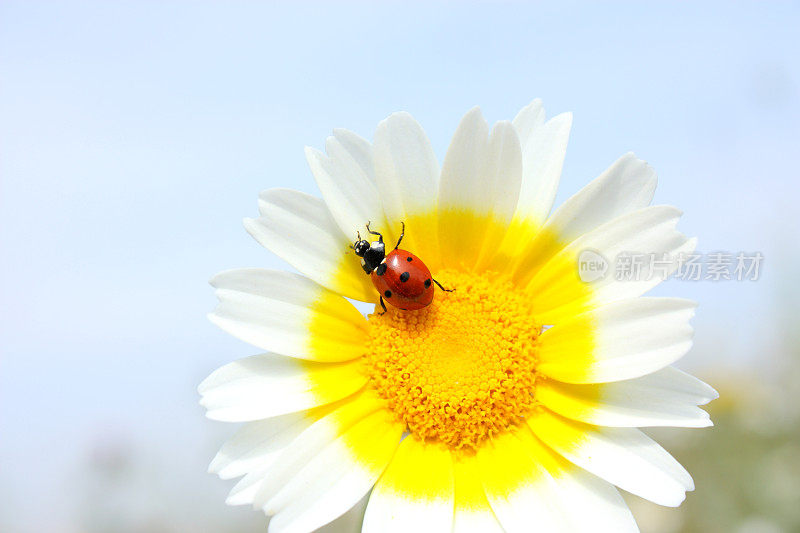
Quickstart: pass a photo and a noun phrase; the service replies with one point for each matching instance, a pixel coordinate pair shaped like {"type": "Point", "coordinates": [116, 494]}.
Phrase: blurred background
{"type": "Point", "coordinates": [135, 136]}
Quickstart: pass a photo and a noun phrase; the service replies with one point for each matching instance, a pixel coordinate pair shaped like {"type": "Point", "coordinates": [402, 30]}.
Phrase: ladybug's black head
{"type": "Point", "coordinates": [360, 247]}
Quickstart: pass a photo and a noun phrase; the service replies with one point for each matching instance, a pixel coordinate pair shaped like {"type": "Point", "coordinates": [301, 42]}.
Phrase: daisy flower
{"type": "Point", "coordinates": [510, 404]}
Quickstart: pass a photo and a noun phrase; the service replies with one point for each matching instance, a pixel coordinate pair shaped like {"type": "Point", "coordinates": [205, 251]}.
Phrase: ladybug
{"type": "Point", "coordinates": [400, 277]}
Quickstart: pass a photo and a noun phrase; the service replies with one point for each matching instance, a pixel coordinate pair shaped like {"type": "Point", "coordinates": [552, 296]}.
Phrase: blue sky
{"type": "Point", "coordinates": [134, 137]}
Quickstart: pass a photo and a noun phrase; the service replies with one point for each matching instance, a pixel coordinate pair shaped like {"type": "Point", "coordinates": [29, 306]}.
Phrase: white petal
{"type": "Point", "coordinates": [405, 166]}
{"type": "Point", "coordinates": [269, 385]}
{"type": "Point", "coordinates": [360, 150]}
{"type": "Point", "coordinates": [558, 292]}
{"type": "Point", "coordinates": [502, 171]}
{"type": "Point", "coordinates": [351, 196]}
{"type": "Point", "coordinates": [527, 483]}
{"type": "Point", "coordinates": [542, 160]}
{"type": "Point", "coordinates": [407, 175]}
{"type": "Point", "coordinates": [621, 340]}
{"type": "Point", "coordinates": [626, 186]}
{"type": "Point", "coordinates": [336, 478]}
{"type": "Point", "coordinates": [570, 488]}
{"type": "Point", "coordinates": [478, 193]}
{"type": "Point", "coordinates": [313, 440]}
{"type": "Point", "coordinates": [299, 228]}
{"type": "Point", "coordinates": [516, 487]}
{"type": "Point", "coordinates": [529, 119]}
{"type": "Point", "coordinates": [257, 444]}
{"type": "Point", "coordinates": [255, 448]}
{"type": "Point", "coordinates": [244, 492]}
{"type": "Point", "coordinates": [473, 514]}
{"type": "Point", "coordinates": [658, 399]}
{"type": "Point", "coordinates": [462, 185]}
{"type": "Point", "coordinates": [679, 383]}
{"type": "Point", "coordinates": [589, 504]}
{"type": "Point", "coordinates": [349, 521]}
{"type": "Point", "coordinates": [288, 314]}
{"type": "Point", "coordinates": [625, 457]}
{"type": "Point", "coordinates": [415, 493]}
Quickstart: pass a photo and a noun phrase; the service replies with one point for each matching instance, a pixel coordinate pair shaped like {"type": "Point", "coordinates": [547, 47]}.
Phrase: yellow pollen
{"type": "Point", "coordinates": [462, 369]}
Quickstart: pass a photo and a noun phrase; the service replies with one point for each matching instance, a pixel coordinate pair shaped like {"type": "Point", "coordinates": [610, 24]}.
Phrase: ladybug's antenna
{"type": "Point", "coordinates": [358, 238]}
{"type": "Point", "coordinates": [402, 234]}
{"type": "Point", "coordinates": [380, 237]}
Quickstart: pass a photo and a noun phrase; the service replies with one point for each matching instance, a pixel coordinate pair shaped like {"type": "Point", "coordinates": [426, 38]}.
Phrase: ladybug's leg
{"type": "Point", "coordinates": [440, 286]}
{"type": "Point", "coordinates": [382, 305]}
{"type": "Point", "coordinates": [380, 237]}
{"type": "Point", "coordinates": [402, 234]}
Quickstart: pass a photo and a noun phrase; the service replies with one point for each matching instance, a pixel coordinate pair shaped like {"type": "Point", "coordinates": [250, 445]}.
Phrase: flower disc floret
{"type": "Point", "coordinates": [462, 369]}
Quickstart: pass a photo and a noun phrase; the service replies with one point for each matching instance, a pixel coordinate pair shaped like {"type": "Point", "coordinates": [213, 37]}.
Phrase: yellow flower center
{"type": "Point", "coordinates": [462, 369]}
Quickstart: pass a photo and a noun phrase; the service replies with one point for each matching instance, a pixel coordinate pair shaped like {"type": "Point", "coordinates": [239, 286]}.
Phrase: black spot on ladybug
{"type": "Point", "coordinates": [409, 259]}
{"type": "Point", "coordinates": [404, 276]}
{"type": "Point", "coordinates": [381, 270]}
{"type": "Point", "coordinates": [388, 294]}
{"type": "Point", "coordinates": [427, 283]}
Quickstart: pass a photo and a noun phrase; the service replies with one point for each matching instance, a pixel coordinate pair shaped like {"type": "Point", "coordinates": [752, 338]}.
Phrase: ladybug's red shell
{"type": "Point", "coordinates": [404, 281]}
